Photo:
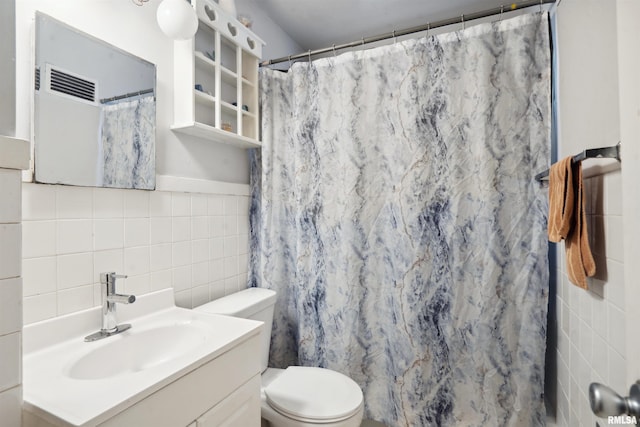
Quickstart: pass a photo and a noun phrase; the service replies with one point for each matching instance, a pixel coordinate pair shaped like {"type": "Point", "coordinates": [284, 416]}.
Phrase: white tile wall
{"type": "Point", "coordinates": [10, 185]}
{"type": "Point", "coordinates": [195, 243]}
{"type": "Point", "coordinates": [10, 256]}
{"type": "Point", "coordinates": [10, 298]}
{"type": "Point", "coordinates": [591, 324]}
{"type": "Point", "coordinates": [11, 407]}
{"type": "Point", "coordinates": [591, 327]}
{"type": "Point", "coordinates": [11, 303]}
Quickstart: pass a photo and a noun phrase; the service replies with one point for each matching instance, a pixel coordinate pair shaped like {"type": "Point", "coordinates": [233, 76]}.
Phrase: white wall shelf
{"type": "Point", "coordinates": [211, 133]}
{"type": "Point", "coordinates": [204, 98]}
{"type": "Point", "coordinates": [222, 58]}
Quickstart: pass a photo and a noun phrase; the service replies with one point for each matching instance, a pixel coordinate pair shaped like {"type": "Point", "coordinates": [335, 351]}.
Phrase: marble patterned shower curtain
{"type": "Point", "coordinates": [395, 212]}
{"type": "Point", "coordinates": [127, 136]}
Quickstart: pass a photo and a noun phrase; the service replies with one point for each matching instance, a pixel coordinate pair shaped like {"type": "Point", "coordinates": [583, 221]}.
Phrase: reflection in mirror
{"type": "Point", "coordinates": [94, 111]}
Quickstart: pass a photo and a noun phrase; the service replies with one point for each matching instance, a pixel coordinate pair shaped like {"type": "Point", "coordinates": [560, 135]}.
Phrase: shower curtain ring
{"type": "Point", "coordinates": [334, 49]}
{"type": "Point", "coordinates": [540, 6]}
{"type": "Point", "coordinates": [501, 11]}
{"type": "Point", "coordinates": [394, 37]}
{"type": "Point", "coordinates": [309, 56]}
{"type": "Point", "coordinates": [463, 23]}
{"type": "Point", "coordinates": [289, 61]}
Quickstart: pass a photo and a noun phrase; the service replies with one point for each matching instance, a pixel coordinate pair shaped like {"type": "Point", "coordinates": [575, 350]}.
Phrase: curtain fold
{"type": "Point", "coordinates": [127, 136]}
{"type": "Point", "coordinates": [395, 212]}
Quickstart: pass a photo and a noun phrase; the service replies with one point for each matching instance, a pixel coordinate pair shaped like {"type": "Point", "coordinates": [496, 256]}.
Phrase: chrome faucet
{"type": "Point", "coordinates": [109, 300]}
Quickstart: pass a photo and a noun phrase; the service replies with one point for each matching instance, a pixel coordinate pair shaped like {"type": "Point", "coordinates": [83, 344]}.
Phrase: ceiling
{"type": "Point", "coordinates": [315, 24]}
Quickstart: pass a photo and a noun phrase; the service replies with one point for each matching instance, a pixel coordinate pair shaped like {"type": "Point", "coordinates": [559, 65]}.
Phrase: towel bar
{"type": "Point", "coordinates": [612, 152]}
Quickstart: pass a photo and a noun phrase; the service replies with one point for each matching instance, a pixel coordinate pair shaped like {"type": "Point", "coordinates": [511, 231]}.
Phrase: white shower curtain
{"type": "Point", "coordinates": [395, 212]}
{"type": "Point", "coordinates": [127, 136]}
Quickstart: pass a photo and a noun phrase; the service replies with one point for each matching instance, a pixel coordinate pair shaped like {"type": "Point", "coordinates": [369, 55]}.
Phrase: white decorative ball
{"type": "Point", "coordinates": [177, 19]}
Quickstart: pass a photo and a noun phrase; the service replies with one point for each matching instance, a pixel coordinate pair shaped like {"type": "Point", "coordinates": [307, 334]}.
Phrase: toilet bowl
{"type": "Point", "coordinates": [297, 396]}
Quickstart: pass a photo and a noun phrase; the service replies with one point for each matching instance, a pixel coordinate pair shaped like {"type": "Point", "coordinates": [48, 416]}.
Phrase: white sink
{"type": "Point", "coordinates": [140, 348]}
{"type": "Point", "coordinates": [104, 377]}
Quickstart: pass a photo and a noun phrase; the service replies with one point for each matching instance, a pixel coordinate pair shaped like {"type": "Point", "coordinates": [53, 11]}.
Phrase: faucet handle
{"type": "Point", "coordinates": [111, 277]}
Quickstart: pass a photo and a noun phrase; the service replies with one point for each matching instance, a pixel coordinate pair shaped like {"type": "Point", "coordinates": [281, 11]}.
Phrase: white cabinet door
{"type": "Point", "coordinates": [240, 409]}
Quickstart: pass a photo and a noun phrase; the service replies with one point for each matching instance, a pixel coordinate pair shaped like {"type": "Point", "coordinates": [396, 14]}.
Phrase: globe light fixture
{"type": "Point", "coordinates": [177, 19]}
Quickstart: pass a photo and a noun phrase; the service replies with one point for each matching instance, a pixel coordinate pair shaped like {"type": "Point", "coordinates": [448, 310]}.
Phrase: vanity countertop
{"type": "Point", "coordinates": [66, 382]}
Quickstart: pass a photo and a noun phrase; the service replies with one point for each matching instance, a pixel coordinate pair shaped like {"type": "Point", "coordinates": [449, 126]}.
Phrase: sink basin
{"type": "Point", "coordinates": [136, 350]}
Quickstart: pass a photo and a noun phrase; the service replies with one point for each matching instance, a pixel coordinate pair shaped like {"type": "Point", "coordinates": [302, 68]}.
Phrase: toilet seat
{"type": "Point", "coordinates": [314, 395]}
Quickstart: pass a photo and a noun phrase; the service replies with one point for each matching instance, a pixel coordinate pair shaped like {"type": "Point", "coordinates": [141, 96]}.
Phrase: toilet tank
{"type": "Point", "coordinates": [251, 303]}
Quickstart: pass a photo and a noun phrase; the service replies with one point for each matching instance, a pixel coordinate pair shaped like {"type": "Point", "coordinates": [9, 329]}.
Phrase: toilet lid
{"type": "Point", "coordinates": [304, 393]}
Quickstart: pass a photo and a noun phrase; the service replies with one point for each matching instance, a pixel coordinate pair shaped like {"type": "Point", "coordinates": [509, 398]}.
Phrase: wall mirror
{"type": "Point", "coordinates": [94, 111]}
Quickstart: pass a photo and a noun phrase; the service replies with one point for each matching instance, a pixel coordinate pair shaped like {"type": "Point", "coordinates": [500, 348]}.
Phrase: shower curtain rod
{"type": "Point", "coordinates": [126, 95]}
{"type": "Point", "coordinates": [426, 27]}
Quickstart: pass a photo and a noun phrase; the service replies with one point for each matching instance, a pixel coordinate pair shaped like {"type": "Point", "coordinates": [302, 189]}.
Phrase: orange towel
{"type": "Point", "coordinates": [580, 263]}
{"type": "Point", "coordinates": [561, 197]}
{"type": "Point", "coordinates": [568, 219]}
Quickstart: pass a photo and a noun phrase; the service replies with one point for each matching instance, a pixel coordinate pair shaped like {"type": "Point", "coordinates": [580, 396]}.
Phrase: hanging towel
{"type": "Point", "coordinates": [567, 219]}
{"type": "Point", "coordinates": [561, 200]}
{"type": "Point", "coordinates": [580, 263]}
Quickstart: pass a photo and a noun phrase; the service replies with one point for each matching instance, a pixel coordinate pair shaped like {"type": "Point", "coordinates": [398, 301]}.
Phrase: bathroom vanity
{"type": "Point", "coordinates": [174, 367]}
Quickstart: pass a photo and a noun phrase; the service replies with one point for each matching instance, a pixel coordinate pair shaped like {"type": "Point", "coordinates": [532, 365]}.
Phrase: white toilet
{"type": "Point", "coordinates": [296, 396]}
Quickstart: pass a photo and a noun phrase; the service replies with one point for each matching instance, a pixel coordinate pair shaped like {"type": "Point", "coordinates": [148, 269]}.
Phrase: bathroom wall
{"type": "Point", "coordinates": [196, 243]}
{"type": "Point", "coordinates": [7, 68]}
{"type": "Point", "coordinates": [134, 29]}
{"type": "Point", "coordinates": [191, 234]}
{"type": "Point", "coordinates": [10, 242]}
{"type": "Point", "coordinates": [279, 44]}
{"type": "Point", "coordinates": [10, 294]}
{"type": "Point", "coordinates": [628, 14]}
{"type": "Point", "coordinates": [593, 324]}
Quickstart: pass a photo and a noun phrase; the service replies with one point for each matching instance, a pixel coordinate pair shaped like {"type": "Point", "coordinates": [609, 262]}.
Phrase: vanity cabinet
{"type": "Point", "coordinates": [223, 392]}
{"type": "Point", "coordinates": [240, 409]}
{"type": "Point", "coordinates": [216, 79]}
